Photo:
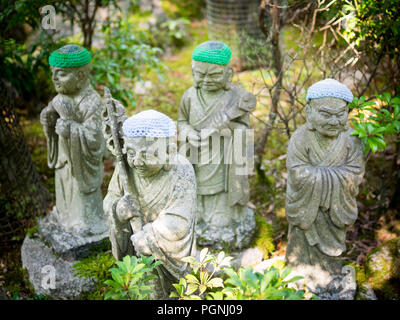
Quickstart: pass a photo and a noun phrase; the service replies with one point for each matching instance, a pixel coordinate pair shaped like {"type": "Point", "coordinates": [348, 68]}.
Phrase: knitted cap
{"type": "Point", "coordinates": [149, 123]}
{"type": "Point", "coordinates": [212, 52]}
{"type": "Point", "coordinates": [329, 88]}
{"type": "Point", "coordinates": [70, 56]}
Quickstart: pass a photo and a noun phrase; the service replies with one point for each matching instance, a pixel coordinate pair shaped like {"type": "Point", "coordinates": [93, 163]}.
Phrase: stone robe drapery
{"type": "Point", "coordinates": [78, 162]}
{"type": "Point", "coordinates": [168, 212]}
{"type": "Point", "coordinates": [321, 194]}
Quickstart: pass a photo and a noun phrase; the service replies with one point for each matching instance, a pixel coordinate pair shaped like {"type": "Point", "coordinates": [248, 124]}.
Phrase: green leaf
{"type": "Point", "coordinates": [372, 145]}
{"type": "Point", "coordinates": [215, 283]}
{"type": "Point", "coordinates": [192, 279]}
{"type": "Point", "coordinates": [191, 288]}
{"type": "Point", "coordinates": [286, 272]}
{"type": "Point", "coordinates": [190, 260]}
{"type": "Point", "coordinates": [203, 254]}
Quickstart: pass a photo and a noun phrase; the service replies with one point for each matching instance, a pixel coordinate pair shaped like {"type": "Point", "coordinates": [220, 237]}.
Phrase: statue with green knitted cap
{"type": "Point", "coordinates": [213, 125]}
{"type": "Point", "coordinates": [73, 129]}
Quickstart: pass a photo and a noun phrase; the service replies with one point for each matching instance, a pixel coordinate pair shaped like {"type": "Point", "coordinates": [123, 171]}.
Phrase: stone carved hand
{"type": "Point", "coordinates": [193, 137]}
{"type": "Point", "coordinates": [63, 127]}
{"type": "Point", "coordinates": [247, 102]}
{"type": "Point", "coordinates": [220, 120]}
{"type": "Point", "coordinates": [127, 208]}
{"type": "Point", "coordinates": [140, 244]}
{"type": "Point", "coordinates": [48, 117]}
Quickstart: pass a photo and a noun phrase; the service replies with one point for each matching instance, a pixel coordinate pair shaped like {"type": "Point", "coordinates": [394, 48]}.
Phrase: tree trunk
{"type": "Point", "coordinates": [277, 65]}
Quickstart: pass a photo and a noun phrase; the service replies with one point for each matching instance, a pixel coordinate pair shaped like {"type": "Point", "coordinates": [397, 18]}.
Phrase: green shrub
{"type": "Point", "coordinates": [244, 284]}
{"type": "Point", "coordinates": [249, 285]}
{"type": "Point", "coordinates": [131, 280]}
{"type": "Point", "coordinates": [383, 121]}
{"type": "Point", "coordinates": [123, 59]}
{"type": "Point", "coordinates": [196, 284]}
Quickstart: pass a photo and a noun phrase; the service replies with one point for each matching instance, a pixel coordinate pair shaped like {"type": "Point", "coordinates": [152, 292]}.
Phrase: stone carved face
{"type": "Point", "coordinates": [145, 155]}
{"type": "Point", "coordinates": [211, 77]}
{"type": "Point", "coordinates": [328, 116]}
{"type": "Point", "coordinates": [69, 80]}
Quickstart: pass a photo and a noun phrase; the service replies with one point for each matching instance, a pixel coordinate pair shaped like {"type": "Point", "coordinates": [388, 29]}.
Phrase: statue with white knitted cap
{"type": "Point", "coordinates": [325, 167]}
{"type": "Point", "coordinates": [213, 125]}
{"type": "Point", "coordinates": [151, 198]}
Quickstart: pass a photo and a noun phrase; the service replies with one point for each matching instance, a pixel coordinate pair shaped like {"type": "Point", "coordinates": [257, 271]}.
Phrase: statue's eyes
{"type": "Point", "coordinates": [325, 114]}
{"type": "Point", "coordinates": [215, 75]}
{"type": "Point", "coordinates": [151, 153]}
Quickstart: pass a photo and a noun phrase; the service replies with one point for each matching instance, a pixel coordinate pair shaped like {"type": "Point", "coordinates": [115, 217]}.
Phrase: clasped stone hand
{"type": "Point", "coordinates": [48, 117]}
{"type": "Point", "coordinates": [127, 208]}
{"type": "Point", "coordinates": [63, 127]}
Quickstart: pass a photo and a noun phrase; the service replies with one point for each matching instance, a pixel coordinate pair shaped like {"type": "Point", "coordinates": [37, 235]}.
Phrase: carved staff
{"type": "Point", "coordinates": [113, 116]}
{"type": "Point", "coordinates": [113, 119]}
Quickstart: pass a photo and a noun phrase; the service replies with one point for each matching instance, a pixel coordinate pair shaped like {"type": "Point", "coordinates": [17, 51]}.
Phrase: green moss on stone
{"type": "Point", "coordinates": [96, 267]}
{"type": "Point", "coordinates": [383, 270]}
{"type": "Point", "coordinates": [264, 239]}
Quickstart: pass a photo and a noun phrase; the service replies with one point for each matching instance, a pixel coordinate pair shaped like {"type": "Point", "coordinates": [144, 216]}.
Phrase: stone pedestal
{"type": "Point", "coordinates": [49, 257]}
{"type": "Point", "coordinates": [326, 286]}
{"type": "Point", "coordinates": [235, 236]}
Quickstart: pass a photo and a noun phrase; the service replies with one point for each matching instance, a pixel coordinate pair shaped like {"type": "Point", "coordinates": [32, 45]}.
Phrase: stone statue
{"type": "Point", "coordinates": [75, 144]}
{"type": "Point", "coordinates": [72, 125]}
{"type": "Point", "coordinates": [213, 123]}
{"type": "Point", "coordinates": [325, 167]}
{"type": "Point", "coordinates": [151, 199]}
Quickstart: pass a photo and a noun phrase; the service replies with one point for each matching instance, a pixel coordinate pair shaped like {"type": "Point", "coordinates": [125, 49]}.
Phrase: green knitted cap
{"type": "Point", "coordinates": [70, 56]}
{"type": "Point", "coordinates": [212, 52]}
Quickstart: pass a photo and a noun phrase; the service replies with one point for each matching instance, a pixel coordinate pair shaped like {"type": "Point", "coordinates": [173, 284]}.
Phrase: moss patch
{"type": "Point", "coordinates": [96, 267]}
{"type": "Point", "coordinates": [263, 239]}
{"type": "Point", "coordinates": [383, 270]}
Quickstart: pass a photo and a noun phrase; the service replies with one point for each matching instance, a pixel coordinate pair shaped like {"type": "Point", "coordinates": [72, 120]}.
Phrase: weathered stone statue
{"type": "Point", "coordinates": [151, 199]}
{"type": "Point", "coordinates": [77, 224]}
{"type": "Point", "coordinates": [325, 167]}
{"type": "Point", "coordinates": [72, 125]}
{"type": "Point", "coordinates": [214, 120]}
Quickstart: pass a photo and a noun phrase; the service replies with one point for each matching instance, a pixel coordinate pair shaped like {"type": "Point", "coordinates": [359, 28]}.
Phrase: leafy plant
{"type": "Point", "coordinates": [123, 59]}
{"type": "Point", "coordinates": [196, 284]}
{"type": "Point", "coordinates": [374, 121]}
{"type": "Point", "coordinates": [131, 280]}
{"type": "Point", "coordinates": [244, 284]}
{"type": "Point", "coordinates": [176, 30]}
{"type": "Point", "coordinates": [248, 285]}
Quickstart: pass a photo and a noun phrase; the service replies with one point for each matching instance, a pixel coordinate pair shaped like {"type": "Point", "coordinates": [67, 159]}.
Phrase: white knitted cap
{"type": "Point", "coordinates": [149, 123]}
{"type": "Point", "coordinates": [329, 88]}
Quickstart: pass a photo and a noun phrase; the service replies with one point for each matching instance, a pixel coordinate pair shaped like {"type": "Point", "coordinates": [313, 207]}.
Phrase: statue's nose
{"type": "Point", "coordinates": [333, 121]}
{"type": "Point", "coordinates": [138, 161]}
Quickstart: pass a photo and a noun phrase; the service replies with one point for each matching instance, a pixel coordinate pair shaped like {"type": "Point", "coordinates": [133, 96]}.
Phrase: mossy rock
{"type": "Point", "coordinates": [383, 270]}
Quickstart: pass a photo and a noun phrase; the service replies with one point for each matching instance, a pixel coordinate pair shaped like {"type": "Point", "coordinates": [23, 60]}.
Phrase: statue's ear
{"type": "Point", "coordinates": [229, 77]}
{"type": "Point", "coordinates": [309, 117]}
{"type": "Point", "coordinates": [195, 83]}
